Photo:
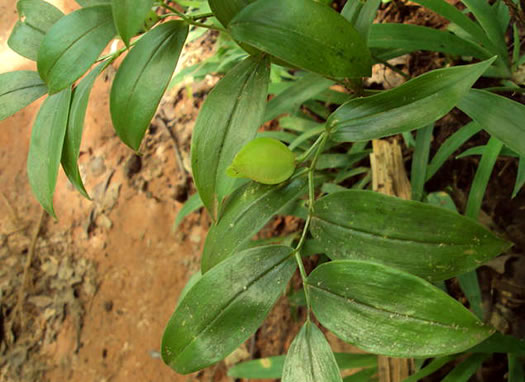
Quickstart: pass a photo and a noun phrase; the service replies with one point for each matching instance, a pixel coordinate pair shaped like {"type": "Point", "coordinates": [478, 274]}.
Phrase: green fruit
{"type": "Point", "coordinates": [264, 160]}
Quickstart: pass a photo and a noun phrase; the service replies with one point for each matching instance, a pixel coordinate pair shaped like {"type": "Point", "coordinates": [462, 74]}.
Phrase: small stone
{"type": "Point", "coordinates": [97, 166]}
{"type": "Point", "coordinates": [132, 166]}
{"type": "Point", "coordinates": [108, 306]}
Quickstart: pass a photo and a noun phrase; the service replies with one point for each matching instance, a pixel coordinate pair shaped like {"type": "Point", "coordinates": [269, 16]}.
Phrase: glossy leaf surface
{"type": "Point", "coordinates": [413, 105]}
{"type": "Point", "coordinates": [19, 89]}
{"type": "Point", "coordinates": [422, 239]}
{"type": "Point", "coordinates": [73, 44]}
{"type": "Point", "coordinates": [228, 119]}
{"type": "Point", "coordinates": [45, 148]}
{"type": "Point", "coordinates": [129, 17]}
{"type": "Point", "coordinates": [36, 18]}
{"type": "Point", "coordinates": [225, 307]}
{"type": "Point", "coordinates": [306, 34]}
{"type": "Point", "coordinates": [264, 160]}
{"type": "Point", "coordinates": [142, 79]}
{"type": "Point", "coordinates": [499, 116]}
{"type": "Point", "coordinates": [248, 209]}
{"type": "Point", "coordinates": [387, 311]}
{"type": "Point", "coordinates": [310, 358]}
{"type": "Point", "coordinates": [75, 127]}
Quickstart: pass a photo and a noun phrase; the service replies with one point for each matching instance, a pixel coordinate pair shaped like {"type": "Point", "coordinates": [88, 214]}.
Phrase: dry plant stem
{"type": "Point", "coordinates": [178, 156]}
{"type": "Point", "coordinates": [311, 198]}
{"type": "Point", "coordinates": [27, 267]}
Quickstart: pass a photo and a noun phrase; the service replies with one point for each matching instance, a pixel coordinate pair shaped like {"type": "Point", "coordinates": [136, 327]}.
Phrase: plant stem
{"type": "Point", "coordinates": [321, 141]}
{"type": "Point", "coordinates": [190, 20]}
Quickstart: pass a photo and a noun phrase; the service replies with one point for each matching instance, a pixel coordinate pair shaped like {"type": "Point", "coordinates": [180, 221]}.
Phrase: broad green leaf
{"type": "Point", "coordinates": [520, 177]}
{"type": "Point", "coordinates": [272, 367]}
{"type": "Point", "coordinates": [129, 17]}
{"type": "Point", "coordinates": [73, 44]}
{"type": "Point", "coordinates": [75, 126]}
{"type": "Point", "coordinates": [225, 307]}
{"type": "Point", "coordinates": [228, 119]}
{"type": "Point", "coordinates": [433, 366]}
{"type": "Point", "coordinates": [263, 160]}
{"type": "Point", "coordinates": [142, 79]}
{"type": "Point", "coordinates": [361, 15]}
{"type": "Point", "coordinates": [448, 148]}
{"type": "Point", "coordinates": [500, 343]}
{"type": "Point", "coordinates": [466, 369]}
{"type": "Point", "coordinates": [409, 38]}
{"type": "Point", "coordinates": [306, 34]}
{"type": "Point", "coordinates": [481, 179]}
{"type": "Point", "coordinates": [420, 161]}
{"type": "Point", "coordinates": [499, 116]}
{"type": "Point", "coordinates": [415, 104]}
{"type": "Point", "coordinates": [292, 98]}
{"type": "Point", "coordinates": [45, 148]}
{"type": "Point", "coordinates": [247, 211]}
{"type": "Point", "coordinates": [310, 358]}
{"type": "Point", "coordinates": [225, 10]}
{"type": "Point", "coordinates": [191, 205]}
{"type": "Point", "coordinates": [35, 18]}
{"type": "Point", "coordinates": [422, 239]}
{"type": "Point", "coordinates": [387, 311]}
{"type": "Point", "coordinates": [19, 89]}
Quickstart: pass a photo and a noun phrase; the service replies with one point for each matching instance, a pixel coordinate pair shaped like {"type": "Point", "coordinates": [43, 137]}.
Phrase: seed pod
{"type": "Point", "coordinates": [264, 160]}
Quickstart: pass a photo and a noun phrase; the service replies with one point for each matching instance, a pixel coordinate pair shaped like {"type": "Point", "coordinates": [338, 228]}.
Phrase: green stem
{"type": "Point", "coordinates": [311, 199]}
{"type": "Point", "coordinates": [189, 20]}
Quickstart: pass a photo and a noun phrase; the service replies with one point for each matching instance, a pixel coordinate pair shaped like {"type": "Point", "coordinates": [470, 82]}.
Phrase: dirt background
{"type": "Point", "coordinates": [86, 298]}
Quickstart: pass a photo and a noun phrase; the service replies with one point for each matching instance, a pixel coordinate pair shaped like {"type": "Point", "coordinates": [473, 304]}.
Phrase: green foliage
{"type": "Point", "coordinates": [374, 288]}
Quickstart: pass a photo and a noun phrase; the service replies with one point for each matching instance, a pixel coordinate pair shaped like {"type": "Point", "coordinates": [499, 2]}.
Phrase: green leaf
{"type": "Point", "coordinates": [361, 15]}
{"type": "Point", "coordinates": [142, 79]}
{"type": "Point", "coordinates": [247, 211]}
{"type": "Point", "coordinates": [129, 17]}
{"type": "Point", "coordinates": [36, 18]}
{"type": "Point", "coordinates": [365, 375]}
{"type": "Point", "coordinates": [422, 239]}
{"type": "Point", "coordinates": [225, 307]}
{"type": "Point", "coordinates": [520, 177]}
{"type": "Point", "coordinates": [306, 34]}
{"type": "Point", "coordinates": [19, 89]}
{"type": "Point", "coordinates": [516, 372]}
{"type": "Point", "coordinates": [499, 116]}
{"type": "Point", "coordinates": [415, 104]}
{"type": "Point", "coordinates": [465, 369]}
{"type": "Point", "coordinates": [386, 311]}
{"type": "Point", "coordinates": [228, 119]}
{"type": "Point", "coordinates": [45, 148]}
{"type": "Point", "coordinates": [500, 343]}
{"type": "Point", "coordinates": [263, 160]}
{"type": "Point", "coordinates": [73, 44]}
{"type": "Point", "coordinates": [75, 126]}
{"type": "Point", "coordinates": [409, 38]}
{"type": "Point", "coordinates": [448, 148]}
{"type": "Point", "coordinates": [420, 161]}
{"type": "Point", "coordinates": [433, 366]}
{"type": "Point", "coordinates": [90, 3]}
{"type": "Point", "coordinates": [293, 97]}
{"type": "Point", "coordinates": [272, 367]}
{"type": "Point", "coordinates": [310, 358]}
{"type": "Point", "coordinates": [225, 10]}
{"type": "Point", "coordinates": [481, 179]}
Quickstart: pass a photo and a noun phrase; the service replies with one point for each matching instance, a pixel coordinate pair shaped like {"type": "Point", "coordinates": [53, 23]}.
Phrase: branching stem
{"type": "Point", "coordinates": [319, 144]}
